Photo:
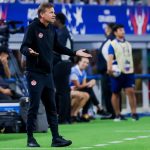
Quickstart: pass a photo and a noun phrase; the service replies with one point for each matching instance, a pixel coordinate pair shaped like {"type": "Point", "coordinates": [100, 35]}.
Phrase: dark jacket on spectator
{"type": "Point", "coordinates": [101, 63]}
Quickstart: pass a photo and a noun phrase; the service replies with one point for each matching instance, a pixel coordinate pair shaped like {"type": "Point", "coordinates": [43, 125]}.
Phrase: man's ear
{"type": "Point", "coordinates": [41, 14]}
{"type": "Point", "coordinates": [115, 33]}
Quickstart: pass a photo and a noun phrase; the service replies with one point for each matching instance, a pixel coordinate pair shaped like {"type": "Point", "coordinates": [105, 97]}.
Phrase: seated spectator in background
{"type": "Point", "coordinates": [114, 2]}
{"type": "Point", "coordinates": [94, 2]}
{"type": "Point", "coordinates": [78, 100]}
{"type": "Point", "coordinates": [4, 66]}
{"type": "Point", "coordinates": [26, 1]}
{"type": "Point", "coordinates": [78, 79]}
{"type": "Point", "coordinates": [42, 1]}
{"type": "Point", "coordinates": [6, 93]}
{"type": "Point", "coordinates": [66, 1]}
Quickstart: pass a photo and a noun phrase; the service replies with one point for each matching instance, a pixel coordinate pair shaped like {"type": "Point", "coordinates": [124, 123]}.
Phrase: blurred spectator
{"type": "Point", "coordinates": [114, 2]}
{"type": "Point", "coordinates": [6, 93]}
{"type": "Point", "coordinates": [110, 2]}
{"type": "Point", "coordinates": [121, 51]}
{"type": "Point", "coordinates": [92, 2]}
{"type": "Point", "coordinates": [62, 65]}
{"type": "Point", "coordinates": [102, 69]}
{"type": "Point", "coordinates": [129, 2]}
{"type": "Point", "coordinates": [4, 67]}
{"type": "Point", "coordinates": [66, 1]}
{"type": "Point", "coordinates": [26, 1]}
{"type": "Point", "coordinates": [78, 80]}
{"type": "Point", "coordinates": [7, 1]}
{"type": "Point", "coordinates": [41, 1]}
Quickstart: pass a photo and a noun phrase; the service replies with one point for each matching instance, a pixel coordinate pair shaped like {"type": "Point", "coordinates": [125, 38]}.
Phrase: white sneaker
{"type": "Point", "coordinates": [120, 118]}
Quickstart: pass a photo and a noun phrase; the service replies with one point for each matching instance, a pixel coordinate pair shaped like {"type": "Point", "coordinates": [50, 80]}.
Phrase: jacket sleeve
{"type": "Point", "coordinates": [27, 41]}
{"type": "Point", "coordinates": [61, 49]}
{"type": "Point", "coordinates": [111, 50]}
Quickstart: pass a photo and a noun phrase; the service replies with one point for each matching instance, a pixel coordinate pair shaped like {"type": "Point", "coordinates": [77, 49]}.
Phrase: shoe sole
{"type": "Point", "coordinates": [61, 145]}
{"type": "Point", "coordinates": [32, 146]}
{"type": "Point", "coordinates": [135, 119]}
{"type": "Point", "coordinates": [104, 117]}
{"type": "Point", "coordinates": [118, 120]}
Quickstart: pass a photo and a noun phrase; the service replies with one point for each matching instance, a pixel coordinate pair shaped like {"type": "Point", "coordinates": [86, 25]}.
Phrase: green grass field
{"type": "Point", "coordinates": [96, 135]}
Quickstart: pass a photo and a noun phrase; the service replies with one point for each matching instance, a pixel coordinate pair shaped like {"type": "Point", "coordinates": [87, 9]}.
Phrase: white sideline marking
{"type": "Point", "coordinates": [124, 140]}
{"type": "Point", "coordinates": [142, 137]}
{"type": "Point", "coordinates": [84, 148]}
{"type": "Point", "coordinates": [36, 148]}
{"type": "Point", "coordinates": [101, 145]}
{"type": "Point", "coordinates": [115, 142]}
{"type": "Point", "coordinates": [130, 139]}
{"type": "Point", "coordinates": [44, 148]}
{"type": "Point", "coordinates": [97, 145]}
{"type": "Point", "coordinates": [132, 131]}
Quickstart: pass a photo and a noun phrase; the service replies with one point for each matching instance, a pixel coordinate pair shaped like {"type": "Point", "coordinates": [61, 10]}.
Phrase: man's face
{"type": "Point", "coordinates": [57, 22]}
{"type": "Point", "coordinates": [108, 30]}
{"type": "Point", "coordinates": [83, 63]}
{"type": "Point", "coordinates": [120, 33]}
{"type": "Point", "coordinates": [49, 15]}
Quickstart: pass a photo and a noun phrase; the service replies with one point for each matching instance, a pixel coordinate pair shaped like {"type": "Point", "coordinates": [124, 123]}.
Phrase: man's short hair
{"type": "Point", "coordinates": [117, 26]}
{"type": "Point", "coordinates": [111, 25]}
{"type": "Point", "coordinates": [42, 8]}
{"type": "Point", "coordinates": [61, 17]}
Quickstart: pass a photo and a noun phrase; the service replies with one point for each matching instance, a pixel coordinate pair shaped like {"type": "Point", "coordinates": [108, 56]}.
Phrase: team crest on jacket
{"type": "Point", "coordinates": [33, 82]}
{"type": "Point", "coordinates": [40, 35]}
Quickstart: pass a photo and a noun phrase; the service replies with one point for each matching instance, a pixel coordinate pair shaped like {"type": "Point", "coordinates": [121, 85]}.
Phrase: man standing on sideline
{"type": "Point", "coordinates": [38, 44]}
{"type": "Point", "coordinates": [102, 68]}
{"type": "Point", "coordinates": [62, 64]}
{"type": "Point", "coordinates": [120, 53]}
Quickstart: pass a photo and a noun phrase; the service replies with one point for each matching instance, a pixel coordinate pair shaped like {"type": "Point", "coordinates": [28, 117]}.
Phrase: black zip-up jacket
{"type": "Point", "coordinates": [42, 40]}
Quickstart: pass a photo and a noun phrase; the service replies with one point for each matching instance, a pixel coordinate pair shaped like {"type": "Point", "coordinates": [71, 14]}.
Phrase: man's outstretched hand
{"type": "Point", "coordinates": [32, 52]}
{"type": "Point", "coordinates": [81, 53]}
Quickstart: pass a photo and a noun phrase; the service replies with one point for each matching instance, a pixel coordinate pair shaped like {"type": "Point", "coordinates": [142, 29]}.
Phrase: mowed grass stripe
{"type": "Point", "coordinates": [88, 135]}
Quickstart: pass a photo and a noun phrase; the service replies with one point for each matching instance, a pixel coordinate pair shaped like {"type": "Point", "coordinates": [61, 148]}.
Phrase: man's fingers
{"type": "Point", "coordinates": [30, 49]}
{"type": "Point", "coordinates": [89, 55]}
{"type": "Point", "coordinates": [86, 55]}
{"type": "Point", "coordinates": [82, 49]}
{"type": "Point", "coordinates": [81, 53]}
{"type": "Point", "coordinates": [32, 52]}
